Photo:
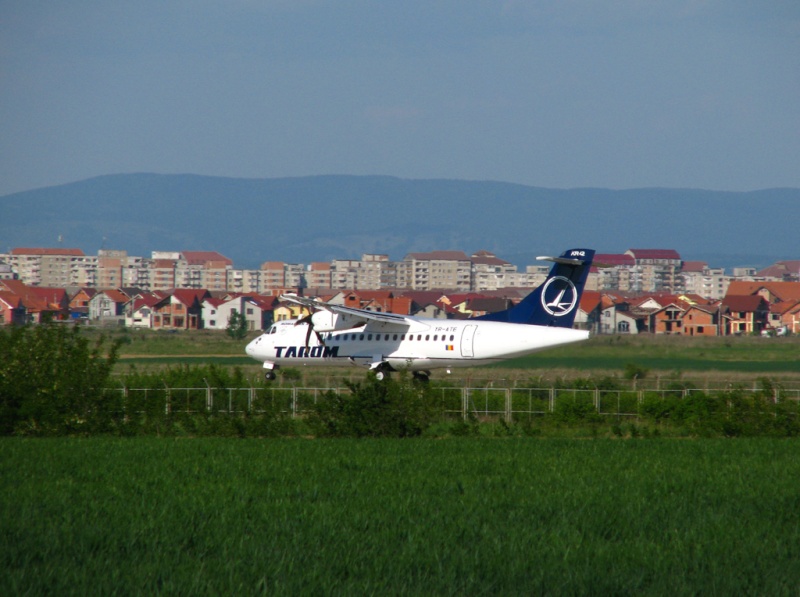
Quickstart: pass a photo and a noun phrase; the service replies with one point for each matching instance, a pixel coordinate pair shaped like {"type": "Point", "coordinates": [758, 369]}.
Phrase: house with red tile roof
{"type": "Point", "coordinates": [791, 319]}
{"type": "Point", "coordinates": [477, 305]}
{"type": "Point", "coordinates": [589, 311]}
{"type": "Point", "coordinates": [182, 309]}
{"type": "Point", "coordinates": [41, 303]}
{"type": "Point", "coordinates": [12, 310]}
{"type": "Point", "coordinates": [258, 311]}
{"type": "Point", "coordinates": [383, 301]}
{"type": "Point", "coordinates": [787, 271]}
{"type": "Point", "coordinates": [747, 314]}
{"type": "Point", "coordinates": [780, 314]}
{"type": "Point", "coordinates": [668, 319]}
{"type": "Point", "coordinates": [79, 303]}
{"type": "Point", "coordinates": [705, 320]}
{"type": "Point", "coordinates": [773, 292]}
{"type": "Point", "coordinates": [140, 310]}
{"type": "Point", "coordinates": [108, 305]}
{"type": "Point", "coordinates": [617, 317]}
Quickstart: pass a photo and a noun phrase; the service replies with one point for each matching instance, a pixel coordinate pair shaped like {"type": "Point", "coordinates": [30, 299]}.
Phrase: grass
{"type": "Point", "coordinates": [745, 353]}
{"type": "Point", "coordinates": [456, 516]}
{"type": "Point", "coordinates": [725, 359]}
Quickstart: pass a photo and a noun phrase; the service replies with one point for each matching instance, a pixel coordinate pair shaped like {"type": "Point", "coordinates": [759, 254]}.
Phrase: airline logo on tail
{"type": "Point", "coordinates": [559, 296]}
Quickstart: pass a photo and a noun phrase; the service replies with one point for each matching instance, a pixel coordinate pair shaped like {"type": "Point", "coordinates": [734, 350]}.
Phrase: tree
{"type": "Point", "coordinates": [53, 380]}
{"type": "Point", "coordinates": [237, 325]}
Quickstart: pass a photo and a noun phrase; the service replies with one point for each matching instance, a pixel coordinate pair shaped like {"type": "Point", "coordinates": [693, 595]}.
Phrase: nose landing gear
{"type": "Point", "coordinates": [270, 375]}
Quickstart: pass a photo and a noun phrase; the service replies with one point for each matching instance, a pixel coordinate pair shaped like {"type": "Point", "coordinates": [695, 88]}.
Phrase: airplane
{"type": "Point", "coordinates": [335, 335]}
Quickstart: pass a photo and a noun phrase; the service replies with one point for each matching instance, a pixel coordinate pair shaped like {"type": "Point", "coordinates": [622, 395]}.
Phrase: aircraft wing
{"type": "Point", "coordinates": [363, 314]}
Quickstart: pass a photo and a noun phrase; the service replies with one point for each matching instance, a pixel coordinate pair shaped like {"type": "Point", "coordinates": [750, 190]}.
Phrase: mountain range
{"type": "Point", "coordinates": [319, 218]}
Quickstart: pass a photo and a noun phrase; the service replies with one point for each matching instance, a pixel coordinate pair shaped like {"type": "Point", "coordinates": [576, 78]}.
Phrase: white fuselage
{"type": "Point", "coordinates": [421, 345]}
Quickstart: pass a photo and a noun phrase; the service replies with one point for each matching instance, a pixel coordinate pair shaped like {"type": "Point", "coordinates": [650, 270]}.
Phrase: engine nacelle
{"type": "Point", "coordinates": [326, 321]}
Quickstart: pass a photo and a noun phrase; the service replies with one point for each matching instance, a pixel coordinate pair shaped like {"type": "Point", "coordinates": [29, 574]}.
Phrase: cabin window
{"type": "Point", "coordinates": [435, 338]}
{"type": "Point", "coordinates": [411, 336]}
{"type": "Point", "coordinates": [427, 338]}
{"type": "Point", "coordinates": [452, 338]}
{"type": "Point", "coordinates": [394, 337]}
{"type": "Point", "coordinates": [419, 337]}
{"type": "Point", "coordinates": [369, 337]}
{"type": "Point", "coordinates": [361, 337]}
{"type": "Point", "coordinates": [386, 337]}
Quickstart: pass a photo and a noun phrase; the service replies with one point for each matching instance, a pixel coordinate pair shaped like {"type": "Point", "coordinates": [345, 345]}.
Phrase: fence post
{"type": "Point", "coordinates": [167, 405]}
{"type": "Point", "coordinates": [552, 400]}
{"type": "Point", "coordinates": [124, 403]}
{"type": "Point", "coordinates": [209, 397]}
{"type": "Point", "coordinates": [464, 402]}
{"type": "Point", "coordinates": [508, 406]}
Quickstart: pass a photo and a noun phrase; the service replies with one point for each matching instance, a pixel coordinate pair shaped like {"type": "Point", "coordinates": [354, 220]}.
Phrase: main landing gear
{"type": "Point", "coordinates": [382, 373]}
{"type": "Point", "coordinates": [422, 376]}
{"type": "Point", "coordinates": [270, 375]}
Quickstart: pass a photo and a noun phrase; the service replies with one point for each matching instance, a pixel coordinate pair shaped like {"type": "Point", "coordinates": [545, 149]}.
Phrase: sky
{"type": "Point", "coordinates": [578, 93]}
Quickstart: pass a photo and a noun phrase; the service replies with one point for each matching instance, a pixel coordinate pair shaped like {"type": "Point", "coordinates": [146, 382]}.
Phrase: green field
{"type": "Point", "coordinates": [455, 516]}
{"type": "Point", "coordinates": [733, 358]}
{"type": "Point", "coordinates": [148, 343]}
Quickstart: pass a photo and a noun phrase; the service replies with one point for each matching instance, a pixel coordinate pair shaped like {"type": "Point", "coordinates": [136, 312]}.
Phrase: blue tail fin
{"type": "Point", "coordinates": [556, 302]}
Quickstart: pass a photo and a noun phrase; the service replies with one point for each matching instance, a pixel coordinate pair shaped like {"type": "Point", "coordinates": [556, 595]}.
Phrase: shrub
{"type": "Point", "coordinates": [373, 408]}
{"type": "Point", "coordinates": [52, 380]}
{"type": "Point", "coordinates": [633, 371]}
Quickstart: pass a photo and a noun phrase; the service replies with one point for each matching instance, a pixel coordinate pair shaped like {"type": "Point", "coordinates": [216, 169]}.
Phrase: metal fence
{"type": "Point", "coordinates": [508, 404]}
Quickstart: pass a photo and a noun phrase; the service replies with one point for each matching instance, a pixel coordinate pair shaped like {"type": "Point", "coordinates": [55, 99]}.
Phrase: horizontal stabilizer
{"type": "Point", "coordinates": [562, 260]}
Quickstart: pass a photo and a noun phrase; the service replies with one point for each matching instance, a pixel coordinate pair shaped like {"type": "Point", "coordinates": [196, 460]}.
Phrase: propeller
{"type": "Point", "coordinates": [308, 319]}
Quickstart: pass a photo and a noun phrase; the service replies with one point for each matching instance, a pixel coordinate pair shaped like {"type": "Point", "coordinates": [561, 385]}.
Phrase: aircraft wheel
{"type": "Point", "coordinates": [422, 376]}
{"type": "Point", "coordinates": [270, 376]}
{"type": "Point", "coordinates": [381, 375]}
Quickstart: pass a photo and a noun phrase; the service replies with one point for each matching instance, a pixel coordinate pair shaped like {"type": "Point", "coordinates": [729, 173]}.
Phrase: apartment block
{"type": "Point", "coordinates": [52, 268]}
{"type": "Point", "coordinates": [436, 270]}
{"type": "Point", "coordinates": [659, 269]}
{"type": "Point", "coordinates": [709, 282]}
{"type": "Point", "coordinates": [372, 272]}
{"type": "Point", "coordinates": [491, 273]}
{"type": "Point", "coordinates": [318, 275]}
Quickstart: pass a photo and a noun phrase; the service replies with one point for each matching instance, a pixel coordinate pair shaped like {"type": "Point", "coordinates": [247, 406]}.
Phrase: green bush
{"type": "Point", "coordinates": [53, 381]}
{"type": "Point", "coordinates": [374, 408]}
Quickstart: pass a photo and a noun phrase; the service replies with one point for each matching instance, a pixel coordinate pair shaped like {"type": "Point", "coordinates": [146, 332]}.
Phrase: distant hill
{"type": "Point", "coordinates": [318, 218]}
